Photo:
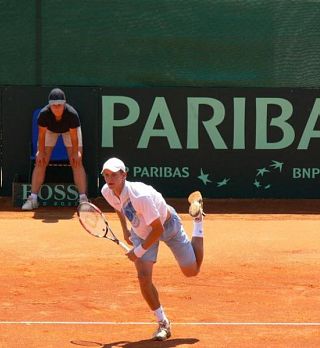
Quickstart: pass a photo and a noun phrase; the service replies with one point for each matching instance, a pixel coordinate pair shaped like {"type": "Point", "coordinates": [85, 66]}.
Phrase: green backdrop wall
{"type": "Point", "coordinates": [128, 43]}
{"type": "Point", "coordinates": [85, 46]}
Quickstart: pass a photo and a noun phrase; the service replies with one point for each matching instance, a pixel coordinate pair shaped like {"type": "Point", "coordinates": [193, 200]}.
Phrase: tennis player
{"type": "Point", "coordinates": [58, 117]}
{"type": "Point", "coordinates": [152, 220]}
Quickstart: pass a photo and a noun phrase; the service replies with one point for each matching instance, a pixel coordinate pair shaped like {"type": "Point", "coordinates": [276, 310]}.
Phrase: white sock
{"type": "Point", "coordinates": [160, 314]}
{"type": "Point", "coordinates": [34, 196]}
{"type": "Point", "coordinates": [197, 229]}
{"type": "Point", "coordinates": [83, 196]}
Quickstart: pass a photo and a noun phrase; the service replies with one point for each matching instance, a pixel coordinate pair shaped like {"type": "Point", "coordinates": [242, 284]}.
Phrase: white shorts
{"type": "Point", "coordinates": [51, 138]}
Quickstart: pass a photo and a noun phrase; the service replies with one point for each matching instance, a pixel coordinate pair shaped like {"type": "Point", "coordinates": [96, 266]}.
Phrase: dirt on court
{"type": "Point", "coordinates": [259, 284]}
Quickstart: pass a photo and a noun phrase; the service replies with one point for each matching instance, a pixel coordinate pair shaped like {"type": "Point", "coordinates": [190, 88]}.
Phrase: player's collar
{"type": "Point", "coordinates": [124, 192]}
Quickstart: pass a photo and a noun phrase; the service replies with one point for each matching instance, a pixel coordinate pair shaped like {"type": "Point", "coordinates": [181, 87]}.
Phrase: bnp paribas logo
{"type": "Point", "coordinates": [262, 176]}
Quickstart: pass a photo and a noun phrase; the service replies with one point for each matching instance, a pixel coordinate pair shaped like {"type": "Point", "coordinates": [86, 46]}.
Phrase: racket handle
{"type": "Point", "coordinates": [123, 246]}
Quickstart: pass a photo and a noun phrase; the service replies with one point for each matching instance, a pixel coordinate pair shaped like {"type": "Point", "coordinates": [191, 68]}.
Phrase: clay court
{"type": "Point", "coordinates": [259, 285]}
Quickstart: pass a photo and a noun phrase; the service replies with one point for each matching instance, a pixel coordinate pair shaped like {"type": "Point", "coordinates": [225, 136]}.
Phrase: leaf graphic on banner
{"type": "Point", "coordinates": [276, 165]}
{"type": "Point", "coordinates": [223, 182]}
{"type": "Point", "coordinates": [264, 173]}
{"type": "Point", "coordinates": [204, 177]}
{"type": "Point", "coordinates": [257, 184]}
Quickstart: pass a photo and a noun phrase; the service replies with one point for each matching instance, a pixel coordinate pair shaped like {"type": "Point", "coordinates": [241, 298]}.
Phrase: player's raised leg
{"type": "Point", "coordinates": [189, 254]}
{"type": "Point", "coordinates": [196, 211]}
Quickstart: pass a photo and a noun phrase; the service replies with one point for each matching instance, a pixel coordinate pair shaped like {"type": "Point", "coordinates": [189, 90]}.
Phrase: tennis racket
{"type": "Point", "coordinates": [94, 222]}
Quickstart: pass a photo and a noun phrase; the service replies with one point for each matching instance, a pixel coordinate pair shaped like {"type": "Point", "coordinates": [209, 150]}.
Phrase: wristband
{"type": "Point", "coordinates": [139, 250]}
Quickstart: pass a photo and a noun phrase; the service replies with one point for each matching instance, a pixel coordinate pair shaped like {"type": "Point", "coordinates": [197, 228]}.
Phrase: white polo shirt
{"type": "Point", "coordinates": [140, 203]}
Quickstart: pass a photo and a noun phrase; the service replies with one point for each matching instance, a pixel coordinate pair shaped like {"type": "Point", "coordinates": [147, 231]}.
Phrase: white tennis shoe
{"type": "Point", "coordinates": [163, 332]}
{"type": "Point", "coordinates": [196, 206]}
{"type": "Point", "coordinates": [30, 204]}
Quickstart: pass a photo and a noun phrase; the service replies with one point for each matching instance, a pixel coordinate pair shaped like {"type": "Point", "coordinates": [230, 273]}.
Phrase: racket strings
{"type": "Point", "coordinates": [93, 222]}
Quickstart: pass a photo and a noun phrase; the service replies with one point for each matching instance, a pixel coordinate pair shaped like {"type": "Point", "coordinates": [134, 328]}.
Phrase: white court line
{"type": "Point", "coordinates": [152, 323]}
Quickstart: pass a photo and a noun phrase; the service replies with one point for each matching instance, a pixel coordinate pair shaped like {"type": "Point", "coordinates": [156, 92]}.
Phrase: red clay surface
{"type": "Point", "coordinates": [259, 285]}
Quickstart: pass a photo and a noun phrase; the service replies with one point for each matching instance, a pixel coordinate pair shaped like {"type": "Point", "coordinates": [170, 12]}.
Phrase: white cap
{"type": "Point", "coordinates": [114, 165]}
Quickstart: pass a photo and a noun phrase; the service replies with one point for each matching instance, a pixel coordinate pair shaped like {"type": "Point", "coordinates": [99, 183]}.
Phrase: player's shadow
{"type": "Point", "coordinates": [54, 214]}
{"type": "Point", "coordinates": [140, 344]}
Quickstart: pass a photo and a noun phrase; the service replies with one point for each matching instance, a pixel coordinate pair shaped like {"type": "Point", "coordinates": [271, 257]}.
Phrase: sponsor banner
{"type": "Point", "coordinates": [50, 194]}
{"type": "Point", "coordinates": [225, 142]}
